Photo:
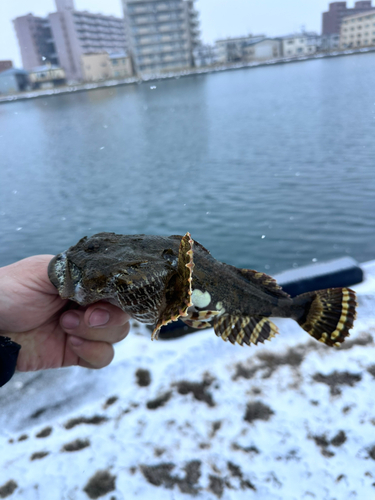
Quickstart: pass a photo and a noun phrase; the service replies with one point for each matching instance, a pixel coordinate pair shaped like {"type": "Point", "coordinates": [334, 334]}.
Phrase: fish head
{"type": "Point", "coordinates": [101, 266]}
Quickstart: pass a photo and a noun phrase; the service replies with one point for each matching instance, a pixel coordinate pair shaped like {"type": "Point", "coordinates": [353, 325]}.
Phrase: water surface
{"type": "Point", "coordinates": [269, 168]}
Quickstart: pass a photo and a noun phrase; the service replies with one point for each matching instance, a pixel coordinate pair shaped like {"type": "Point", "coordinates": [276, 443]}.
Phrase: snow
{"type": "Point", "coordinates": [316, 440]}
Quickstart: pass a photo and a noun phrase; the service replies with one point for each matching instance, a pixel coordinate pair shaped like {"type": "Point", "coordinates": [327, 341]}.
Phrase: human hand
{"type": "Point", "coordinates": [54, 332]}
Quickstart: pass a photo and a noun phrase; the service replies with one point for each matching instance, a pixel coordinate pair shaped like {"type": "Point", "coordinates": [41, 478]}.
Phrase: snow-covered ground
{"type": "Point", "coordinates": [292, 419]}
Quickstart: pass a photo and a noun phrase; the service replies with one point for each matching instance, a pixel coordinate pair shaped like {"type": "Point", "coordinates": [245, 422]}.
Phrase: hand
{"type": "Point", "coordinates": [54, 332]}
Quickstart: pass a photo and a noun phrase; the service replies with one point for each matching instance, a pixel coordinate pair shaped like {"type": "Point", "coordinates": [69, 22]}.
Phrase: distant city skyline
{"type": "Point", "coordinates": [219, 18]}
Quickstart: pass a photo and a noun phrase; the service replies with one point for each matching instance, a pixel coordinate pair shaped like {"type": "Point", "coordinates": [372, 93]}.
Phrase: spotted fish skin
{"type": "Point", "coordinates": [158, 279]}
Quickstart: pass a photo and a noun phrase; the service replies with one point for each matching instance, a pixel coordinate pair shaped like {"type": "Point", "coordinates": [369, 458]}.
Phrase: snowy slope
{"type": "Point", "coordinates": [292, 419]}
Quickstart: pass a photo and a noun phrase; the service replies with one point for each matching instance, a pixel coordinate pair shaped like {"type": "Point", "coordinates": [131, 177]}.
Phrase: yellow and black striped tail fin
{"type": "Point", "coordinates": [328, 314]}
{"type": "Point", "coordinates": [244, 329]}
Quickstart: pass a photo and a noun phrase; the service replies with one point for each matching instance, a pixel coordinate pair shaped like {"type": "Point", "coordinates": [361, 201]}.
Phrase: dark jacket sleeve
{"type": "Point", "coordinates": [8, 359]}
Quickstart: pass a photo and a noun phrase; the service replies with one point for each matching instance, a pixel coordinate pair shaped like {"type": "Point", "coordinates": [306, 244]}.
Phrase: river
{"type": "Point", "coordinates": [269, 168]}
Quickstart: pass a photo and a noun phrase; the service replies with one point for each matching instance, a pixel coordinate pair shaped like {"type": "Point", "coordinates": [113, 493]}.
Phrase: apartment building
{"type": "Point", "coordinates": [46, 76]}
{"type": "Point", "coordinates": [63, 37]}
{"type": "Point", "coordinates": [330, 42]}
{"type": "Point", "coordinates": [162, 34]}
{"type": "Point", "coordinates": [121, 65]}
{"type": "Point", "coordinates": [231, 50]}
{"type": "Point", "coordinates": [300, 44]}
{"type": "Point", "coordinates": [76, 33]}
{"type": "Point", "coordinates": [205, 55]}
{"type": "Point", "coordinates": [263, 50]}
{"type": "Point", "coordinates": [332, 19]}
{"type": "Point", "coordinates": [358, 30]}
{"type": "Point", "coordinates": [35, 40]}
{"type": "Point", "coordinates": [102, 66]}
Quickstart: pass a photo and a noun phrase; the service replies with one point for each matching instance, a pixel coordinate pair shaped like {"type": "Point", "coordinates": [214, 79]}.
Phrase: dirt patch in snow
{"type": "Point", "coordinates": [8, 488]}
{"type": "Point", "coordinates": [153, 404]}
{"type": "Point", "coordinates": [143, 377]}
{"type": "Point", "coordinates": [95, 420]}
{"type": "Point", "coordinates": [76, 445]}
{"type": "Point", "coordinates": [246, 449]}
{"type": "Point", "coordinates": [270, 362]}
{"type": "Point", "coordinates": [257, 410]}
{"type": "Point", "coordinates": [38, 455]}
{"type": "Point", "coordinates": [244, 372]}
{"type": "Point", "coordinates": [371, 452]}
{"type": "Point", "coordinates": [101, 483]}
{"type": "Point", "coordinates": [335, 379]}
{"type": "Point", "coordinates": [216, 485]}
{"type": "Point", "coordinates": [44, 432]}
{"type": "Point", "coordinates": [110, 401]}
{"type": "Point", "coordinates": [235, 471]}
{"type": "Point", "coordinates": [361, 340]}
{"type": "Point", "coordinates": [161, 475]}
{"type": "Point", "coordinates": [323, 442]}
{"type": "Point", "coordinates": [199, 390]}
{"type": "Point", "coordinates": [216, 426]}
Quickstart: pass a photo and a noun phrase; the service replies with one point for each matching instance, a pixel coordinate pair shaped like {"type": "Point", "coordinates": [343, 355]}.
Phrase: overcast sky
{"type": "Point", "coordinates": [219, 18]}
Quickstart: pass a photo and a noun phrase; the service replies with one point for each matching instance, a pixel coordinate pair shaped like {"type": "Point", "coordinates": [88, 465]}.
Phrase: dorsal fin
{"type": "Point", "coordinates": [263, 281]}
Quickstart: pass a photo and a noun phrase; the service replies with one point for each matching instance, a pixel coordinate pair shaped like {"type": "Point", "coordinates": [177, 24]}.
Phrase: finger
{"type": "Point", "coordinates": [99, 322]}
{"type": "Point", "coordinates": [91, 354]}
{"type": "Point", "coordinates": [104, 314]}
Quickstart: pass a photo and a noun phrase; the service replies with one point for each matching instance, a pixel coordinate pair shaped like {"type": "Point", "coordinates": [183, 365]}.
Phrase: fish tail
{"type": "Point", "coordinates": [327, 315]}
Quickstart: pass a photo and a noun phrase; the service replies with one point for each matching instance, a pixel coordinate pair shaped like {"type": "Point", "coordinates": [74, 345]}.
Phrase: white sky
{"type": "Point", "coordinates": [219, 18]}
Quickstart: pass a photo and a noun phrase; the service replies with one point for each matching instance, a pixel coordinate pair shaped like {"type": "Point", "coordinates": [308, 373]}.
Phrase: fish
{"type": "Point", "coordinates": [160, 279]}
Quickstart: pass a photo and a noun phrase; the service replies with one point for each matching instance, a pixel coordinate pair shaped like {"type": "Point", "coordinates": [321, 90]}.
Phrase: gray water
{"type": "Point", "coordinates": [269, 168]}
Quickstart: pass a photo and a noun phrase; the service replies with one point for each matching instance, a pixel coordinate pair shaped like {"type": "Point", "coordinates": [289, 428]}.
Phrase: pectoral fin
{"type": "Point", "coordinates": [244, 330]}
{"type": "Point", "coordinates": [178, 294]}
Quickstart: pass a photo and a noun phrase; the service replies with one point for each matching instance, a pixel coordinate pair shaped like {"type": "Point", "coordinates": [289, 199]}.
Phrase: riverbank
{"type": "Point", "coordinates": [170, 420]}
{"type": "Point", "coordinates": [178, 74]}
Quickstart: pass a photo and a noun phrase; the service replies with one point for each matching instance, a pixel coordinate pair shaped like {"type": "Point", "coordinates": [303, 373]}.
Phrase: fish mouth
{"type": "Point", "coordinates": [66, 277]}
{"type": "Point", "coordinates": [56, 270]}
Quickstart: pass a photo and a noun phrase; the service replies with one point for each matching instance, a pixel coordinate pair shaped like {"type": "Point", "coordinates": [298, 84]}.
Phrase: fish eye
{"type": "Point", "coordinates": [92, 247]}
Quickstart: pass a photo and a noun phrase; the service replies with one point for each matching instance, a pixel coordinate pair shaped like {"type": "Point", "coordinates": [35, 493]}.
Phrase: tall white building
{"type": "Point", "coordinates": [162, 34]}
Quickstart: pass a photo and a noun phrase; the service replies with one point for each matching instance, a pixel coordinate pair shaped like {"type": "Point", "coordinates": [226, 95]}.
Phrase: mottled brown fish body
{"type": "Point", "coordinates": [158, 279]}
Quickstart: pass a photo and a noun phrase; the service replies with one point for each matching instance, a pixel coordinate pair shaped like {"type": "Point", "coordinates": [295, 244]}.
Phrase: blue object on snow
{"type": "Point", "coordinates": [341, 272]}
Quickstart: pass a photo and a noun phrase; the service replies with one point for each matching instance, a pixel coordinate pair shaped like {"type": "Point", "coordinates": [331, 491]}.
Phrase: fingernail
{"type": "Point", "coordinates": [70, 320]}
{"type": "Point", "coordinates": [75, 341]}
{"type": "Point", "coordinates": [99, 317]}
